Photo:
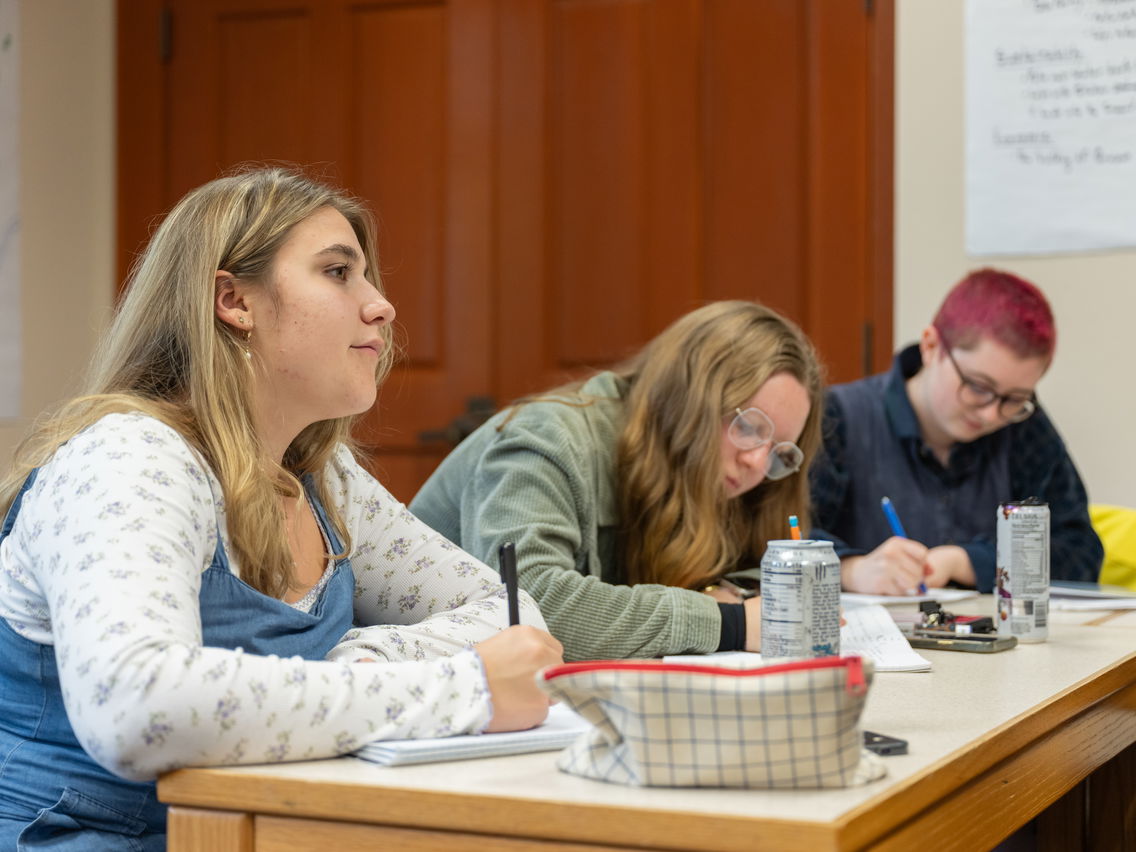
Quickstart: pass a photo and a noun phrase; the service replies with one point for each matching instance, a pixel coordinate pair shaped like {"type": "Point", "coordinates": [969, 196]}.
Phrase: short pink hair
{"type": "Point", "coordinates": [999, 305]}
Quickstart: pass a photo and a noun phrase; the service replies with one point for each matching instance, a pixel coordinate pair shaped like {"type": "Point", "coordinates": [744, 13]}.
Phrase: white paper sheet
{"type": "Point", "coordinates": [871, 632]}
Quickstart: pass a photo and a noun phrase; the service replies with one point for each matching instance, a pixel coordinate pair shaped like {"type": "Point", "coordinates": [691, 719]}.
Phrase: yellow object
{"type": "Point", "coordinates": [1116, 526]}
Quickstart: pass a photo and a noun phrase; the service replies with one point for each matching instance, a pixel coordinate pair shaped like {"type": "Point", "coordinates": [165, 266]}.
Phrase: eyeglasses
{"type": "Point", "coordinates": [751, 429]}
{"type": "Point", "coordinates": [975, 394]}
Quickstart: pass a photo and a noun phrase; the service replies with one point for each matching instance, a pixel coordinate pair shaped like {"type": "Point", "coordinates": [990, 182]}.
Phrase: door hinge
{"type": "Point", "coordinates": [867, 348]}
{"type": "Point", "coordinates": [165, 35]}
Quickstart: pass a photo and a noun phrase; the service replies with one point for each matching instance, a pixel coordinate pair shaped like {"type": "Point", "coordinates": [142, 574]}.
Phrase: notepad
{"type": "Point", "coordinates": [560, 728]}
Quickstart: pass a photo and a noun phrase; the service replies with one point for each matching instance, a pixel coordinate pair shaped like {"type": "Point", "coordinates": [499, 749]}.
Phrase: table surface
{"type": "Point", "coordinates": [976, 724]}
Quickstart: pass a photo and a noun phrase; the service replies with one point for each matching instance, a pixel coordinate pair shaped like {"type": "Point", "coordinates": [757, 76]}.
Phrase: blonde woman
{"type": "Point", "coordinates": [186, 543]}
{"type": "Point", "coordinates": [631, 493]}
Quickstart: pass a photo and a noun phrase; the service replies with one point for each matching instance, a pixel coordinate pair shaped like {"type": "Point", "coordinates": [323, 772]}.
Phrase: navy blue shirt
{"type": "Point", "coordinates": [873, 447]}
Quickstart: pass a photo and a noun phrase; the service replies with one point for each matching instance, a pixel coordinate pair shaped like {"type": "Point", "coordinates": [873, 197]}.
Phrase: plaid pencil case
{"type": "Point", "coordinates": [657, 724]}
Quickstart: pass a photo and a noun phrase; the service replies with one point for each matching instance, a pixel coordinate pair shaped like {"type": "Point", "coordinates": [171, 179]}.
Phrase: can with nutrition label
{"type": "Point", "coordinates": [800, 600]}
{"type": "Point", "coordinates": [1022, 586]}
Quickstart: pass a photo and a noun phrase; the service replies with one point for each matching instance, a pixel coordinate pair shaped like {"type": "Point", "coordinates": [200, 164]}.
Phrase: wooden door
{"type": "Point", "coordinates": [556, 180]}
{"type": "Point", "coordinates": [390, 99]}
{"type": "Point", "coordinates": [657, 154]}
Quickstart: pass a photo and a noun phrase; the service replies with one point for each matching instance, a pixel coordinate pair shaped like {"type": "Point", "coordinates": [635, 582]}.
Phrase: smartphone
{"type": "Point", "coordinates": [745, 583]}
{"type": "Point", "coordinates": [979, 643]}
{"type": "Point", "coordinates": [739, 587]}
{"type": "Point", "coordinates": [883, 744]}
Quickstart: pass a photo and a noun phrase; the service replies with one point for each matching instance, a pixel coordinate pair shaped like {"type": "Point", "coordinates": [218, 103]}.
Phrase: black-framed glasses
{"type": "Point", "coordinates": [976, 394]}
{"type": "Point", "coordinates": [751, 429]}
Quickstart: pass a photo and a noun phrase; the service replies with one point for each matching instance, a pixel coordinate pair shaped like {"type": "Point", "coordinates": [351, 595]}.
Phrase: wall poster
{"type": "Point", "coordinates": [1050, 126]}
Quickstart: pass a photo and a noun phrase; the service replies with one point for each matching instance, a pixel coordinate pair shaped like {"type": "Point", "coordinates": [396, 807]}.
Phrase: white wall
{"type": "Point", "coordinates": [1091, 389]}
{"type": "Point", "coordinates": [66, 196]}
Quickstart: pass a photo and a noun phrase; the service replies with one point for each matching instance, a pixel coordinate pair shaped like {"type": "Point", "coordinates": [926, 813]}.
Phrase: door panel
{"type": "Point", "coordinates": [555, 180]}
{"type": "Point", "coordinates": [421, 154]}
{"type": "Point", "coordinates": [240, 82]}
{"type": "Point", "coordinates": [754, 159]}
{"type": "Point", "coordinates": [262, 63]}
{"type": "Point", "coordinates": [397, 159]}
{"type": "Point", "coordinates": [598, 241]}
{"type": "Point", "coordinates": [837, 291]}
{"type": "Point", "coordinates": [599, 124]}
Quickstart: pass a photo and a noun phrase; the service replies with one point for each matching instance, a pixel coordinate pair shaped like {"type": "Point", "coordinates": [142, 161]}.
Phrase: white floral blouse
{"type": "Point", "coordinates": [105, 562]}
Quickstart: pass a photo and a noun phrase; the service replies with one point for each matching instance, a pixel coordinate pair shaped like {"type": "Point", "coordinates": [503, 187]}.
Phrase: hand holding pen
{"type": "Point", "coordinates": [507, 560]}
{"type": "Point", "coordinates": [512, 657]}
{"type": "Point", "coordinates": [897, 529]}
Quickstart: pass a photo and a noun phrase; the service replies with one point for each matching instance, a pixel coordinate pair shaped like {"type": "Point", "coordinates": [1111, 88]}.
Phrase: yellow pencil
{"type": "Point", "coordinates": [794, 528]}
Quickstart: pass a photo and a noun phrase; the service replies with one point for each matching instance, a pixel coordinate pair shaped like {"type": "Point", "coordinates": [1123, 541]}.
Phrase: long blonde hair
{"type": "Point", "coordinates": [167, 355]}
{"type": "Point", "coordinates": [677, 525]}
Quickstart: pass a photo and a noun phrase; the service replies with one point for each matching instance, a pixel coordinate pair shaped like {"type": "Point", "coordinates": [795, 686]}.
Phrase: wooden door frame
{"type": "Point", "coordinates": [881, 175]}
{"type": "Point", "coordinates": [143, 33]}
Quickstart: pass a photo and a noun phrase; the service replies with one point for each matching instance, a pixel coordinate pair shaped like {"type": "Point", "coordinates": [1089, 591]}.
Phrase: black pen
{"type": "Point", "coordinates": [507, 557]}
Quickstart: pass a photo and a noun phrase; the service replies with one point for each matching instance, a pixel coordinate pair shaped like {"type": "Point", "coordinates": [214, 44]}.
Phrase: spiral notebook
{"type": "Point", "coordinates": [560, 728]}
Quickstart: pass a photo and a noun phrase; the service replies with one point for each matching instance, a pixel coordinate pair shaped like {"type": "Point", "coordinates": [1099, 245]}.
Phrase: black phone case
{"type": "Point", "coordinates": [883, 744]}
{"type": "Point", "coordinates": [978, 644]}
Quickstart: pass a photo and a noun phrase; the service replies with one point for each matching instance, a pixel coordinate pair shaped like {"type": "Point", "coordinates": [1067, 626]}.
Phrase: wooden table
{"type": "Point", "coordinates": [995, 740]}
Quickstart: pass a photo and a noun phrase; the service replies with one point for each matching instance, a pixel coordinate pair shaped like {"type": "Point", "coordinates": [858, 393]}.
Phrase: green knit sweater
{"type": "Point", "coordinates": [545, 480]}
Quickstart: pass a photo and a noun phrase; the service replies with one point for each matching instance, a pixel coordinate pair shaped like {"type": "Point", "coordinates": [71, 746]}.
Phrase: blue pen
{"type": "Point", "coordinates": [897, 529]}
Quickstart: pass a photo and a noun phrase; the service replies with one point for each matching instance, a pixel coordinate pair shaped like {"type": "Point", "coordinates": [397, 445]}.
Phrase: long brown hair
{"type": "Point", "coordinates": [167, 355]}
{"type": "Point", "coordinates": [677, 525]}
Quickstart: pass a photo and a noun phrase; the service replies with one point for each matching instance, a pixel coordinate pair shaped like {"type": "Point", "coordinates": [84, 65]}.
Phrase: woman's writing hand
{"type": "Point", "coordinates": [511, 660]}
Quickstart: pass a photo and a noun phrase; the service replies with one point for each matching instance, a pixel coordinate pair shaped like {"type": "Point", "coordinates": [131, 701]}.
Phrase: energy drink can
{"type": "Point", "coordinates": [800, 600]}
{"type": "Point", "coordinates": [1022, 591]}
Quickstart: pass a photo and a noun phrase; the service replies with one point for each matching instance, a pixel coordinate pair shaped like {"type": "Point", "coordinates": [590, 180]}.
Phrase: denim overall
{"type": "Point", "coordinates": [52, 795]}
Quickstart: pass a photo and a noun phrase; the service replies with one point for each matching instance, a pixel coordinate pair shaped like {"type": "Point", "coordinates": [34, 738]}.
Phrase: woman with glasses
{"type": "Point", "coordinates": [950, 432]}
{"type": "Point", "coordinates": [631, 492]}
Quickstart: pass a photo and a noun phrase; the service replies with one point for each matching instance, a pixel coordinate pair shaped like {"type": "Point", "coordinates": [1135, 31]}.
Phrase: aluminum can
{"type": "Point", "coordinates": [800, 600]}
{"type": "Point", "coordinates": [1022, 590]}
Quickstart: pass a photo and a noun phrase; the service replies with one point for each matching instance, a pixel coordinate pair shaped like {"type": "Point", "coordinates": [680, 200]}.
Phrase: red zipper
{"type": "Point", "coordinates": [855, 683]}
